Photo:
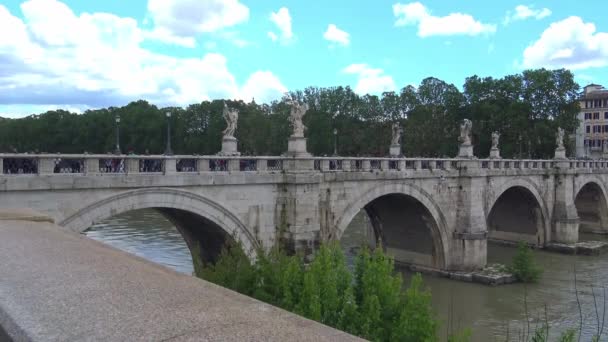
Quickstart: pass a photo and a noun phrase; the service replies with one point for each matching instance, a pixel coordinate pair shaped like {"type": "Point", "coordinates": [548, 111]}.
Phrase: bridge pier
{"type": "Point", "coordinates": [469, 243]}
{"type": "Point", "coordinates": [565, 216]}
{"type": "Point", "coordinates": [297, 214]}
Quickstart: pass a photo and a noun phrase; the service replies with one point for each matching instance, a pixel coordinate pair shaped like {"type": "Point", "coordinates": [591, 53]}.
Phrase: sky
{"type": "Point", "coordinates": [78, 55]}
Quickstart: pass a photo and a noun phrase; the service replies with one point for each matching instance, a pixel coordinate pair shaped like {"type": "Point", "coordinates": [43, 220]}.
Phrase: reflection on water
{"type": "Point", "coordinates": [487, 310]}
{"type": "Point", "coordinates": [148, 234]}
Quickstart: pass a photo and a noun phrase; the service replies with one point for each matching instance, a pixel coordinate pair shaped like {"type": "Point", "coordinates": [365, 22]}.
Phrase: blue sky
{"type": "Point", "coordinates": [89, 54]}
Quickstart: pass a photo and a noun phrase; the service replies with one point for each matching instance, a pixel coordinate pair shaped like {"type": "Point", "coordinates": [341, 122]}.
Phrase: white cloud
{"type": "Point", "coordinates": [523, 12]}
{"type": "Point", "coordinates": [370, 80]}
{"type": "Point", "coordinates": [16, 111]}
{"type": "Point", "coordinates": [282, 20]}
{"type": "Point", "coordinates": [179, 22]}
{"type": "Point", "coordinates": [569, 43]}
{"type": "Point", "coordinates": [55, 58]}
{"type": "Point", "coordinates": [337, 36]}
{"type": "Point", "coordinates": [415, 13]}
{"type": "Point", "coordinates": [264, 86]}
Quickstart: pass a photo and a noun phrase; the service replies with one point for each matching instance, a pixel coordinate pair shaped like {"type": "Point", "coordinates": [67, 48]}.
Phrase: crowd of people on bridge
{"type": "Point", "coordinates": [19, 166]}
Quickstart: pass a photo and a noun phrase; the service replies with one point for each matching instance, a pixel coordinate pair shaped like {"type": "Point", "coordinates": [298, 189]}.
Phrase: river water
{"type": "Point", "coordinates": [489, 311]}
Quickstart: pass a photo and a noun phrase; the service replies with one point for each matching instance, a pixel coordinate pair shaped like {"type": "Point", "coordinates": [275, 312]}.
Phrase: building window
{"type": "Point", "coordinates": [596, 116]}
{"type": "Point", "coordinates": [588, 129]}
{"type": "Point", "coordinates": [605, 115]}
{"type": "Point", "coordinates": [605, 129]}
{"type": "Point", "coordinates": [587, 116]}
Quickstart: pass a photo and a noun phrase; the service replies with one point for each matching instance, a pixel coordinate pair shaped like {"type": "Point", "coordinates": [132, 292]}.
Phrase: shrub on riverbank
{"type": "Point", "coordinates": [524, 267]}
{"type": "Point", "coordinates": [368, 302]}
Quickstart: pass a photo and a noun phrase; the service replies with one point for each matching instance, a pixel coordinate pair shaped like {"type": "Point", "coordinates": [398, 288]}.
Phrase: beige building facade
{"type": "Point", "coordinates": [592, 133]}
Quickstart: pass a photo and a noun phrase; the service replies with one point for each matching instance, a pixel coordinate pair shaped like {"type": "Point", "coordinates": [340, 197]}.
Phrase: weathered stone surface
{"type": "Point", "coordinates": [229, 147]}
{"type": "Point", "coordinates": [60, 286]}
{"type": "Point", "coordinates": [311, 200]}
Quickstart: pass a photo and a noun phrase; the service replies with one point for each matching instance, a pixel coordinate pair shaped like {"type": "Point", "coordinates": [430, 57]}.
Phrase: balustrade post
{"type": "Point", "coordinates": [432, 164]}
{"type": "Point", "coordinates": [46, 165]}
{"type": "Point", "coordinates": [401, 164]}
{"type": "Point", "coordinates": [170, 165]}
{"type": "Point", "coordinates": [384, 165]}
{"type": "Point", "coordinates": [91, 166]}
{"type": "Point", "coordinates": [366, 165]}
{"type": "Point", "coordinates": [1, 166]}
{"type": "Point", "coordinates": [324, 165]}
{"type": "Point", "coordinates": [346, 165]}
{"type": "Point", "coordinates": [261, 164]}
{"type": "Point", "coordinates": [417, 164]}
{"type": "Point", "coordinates": [447, 165]}
{"type": "Point", "coordinates": [234, 165]}
{"type": "Point", "coordinates": [132, 165]}
{"type": "Point", "coordinates": [202, 165]}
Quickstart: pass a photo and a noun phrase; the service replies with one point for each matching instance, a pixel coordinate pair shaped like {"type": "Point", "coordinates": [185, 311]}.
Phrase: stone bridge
{"type": "Point", "coordinates": [437, 213]}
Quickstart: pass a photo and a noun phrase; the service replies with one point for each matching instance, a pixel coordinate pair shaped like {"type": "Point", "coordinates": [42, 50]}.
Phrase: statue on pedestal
{"type": "Point", "coordinates": [295, 117]}
{"type": "Point", "coordinates": [495, 139]}
{"type": "Point", "coordinates": [466, 148]}
{"type": "Point", "coordinates": [494, 152]}
{"type": "Point", "coordinates": [231, 116]}
{"type": "Point", "coordinates": [296, 145]}
{"type": "Point", "coordinates": [397, 131]}
{"type": "Point", "coordinates": [465, 132]}
{"type": "Point", "coordinates": [229, 142]}
{"type": "Point", "coordinates": [559, 138]}
{"type": "Point", "coordinates": [560, 150]}
{"type": "Point", "coordinates": [395, 148]}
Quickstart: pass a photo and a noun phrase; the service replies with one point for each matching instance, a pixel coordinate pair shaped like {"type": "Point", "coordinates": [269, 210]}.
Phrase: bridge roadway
{"type": "Point", "coordinates": [438, 213]}
{"type": "Point", "coordinates": [60, 286]}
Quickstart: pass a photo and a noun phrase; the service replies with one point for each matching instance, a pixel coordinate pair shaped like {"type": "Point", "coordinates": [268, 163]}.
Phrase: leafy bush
{"type": "Point", "coordinates": [369, 303]}
{"type": "Point", "coordinates": [524, 267]}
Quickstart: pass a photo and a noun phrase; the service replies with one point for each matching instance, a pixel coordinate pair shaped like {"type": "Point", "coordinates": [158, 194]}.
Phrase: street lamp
{"type": "Point", "coordinates": [117, 119]}
{"type": "Point", "coordinates": [335, 141]}
{"type": "Point", "coordinates": [168, 151]}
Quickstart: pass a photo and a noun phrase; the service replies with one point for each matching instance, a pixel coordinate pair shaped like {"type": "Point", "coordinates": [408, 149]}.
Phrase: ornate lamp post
{"type": "Point", "coordinates": [335, 141]}
{"type": "Point", "coordinates": [117, 119]}
{"type": "Point", "coordinates": [168, 148]}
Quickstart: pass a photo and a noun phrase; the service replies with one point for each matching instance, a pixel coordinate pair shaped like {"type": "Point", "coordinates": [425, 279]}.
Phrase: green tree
{"type": "Point", "coordinates": [523, 266]}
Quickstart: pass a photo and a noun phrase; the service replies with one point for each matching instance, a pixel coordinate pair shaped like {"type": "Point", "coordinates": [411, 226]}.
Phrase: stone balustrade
{"type": "Point", "coordinates": [42, 164]}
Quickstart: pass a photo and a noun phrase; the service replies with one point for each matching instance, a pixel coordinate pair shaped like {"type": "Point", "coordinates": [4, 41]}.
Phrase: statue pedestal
{"type": "Point", "coordinates": [296, 147]}
{"type": "Point", "coordinates": [560, 153]}
{"type": "Point", "coordinates": [465, 151]}
{"type": "Point", "coordinates": [494, 153]}
{"type": "Point", "coordinates": [229, 147]}
{"type": "Point", "coordinates": [395, 150]}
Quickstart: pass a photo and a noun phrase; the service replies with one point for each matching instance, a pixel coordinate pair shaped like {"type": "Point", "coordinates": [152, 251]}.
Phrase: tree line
{"type": "Point", "coordinates": [525, 108]}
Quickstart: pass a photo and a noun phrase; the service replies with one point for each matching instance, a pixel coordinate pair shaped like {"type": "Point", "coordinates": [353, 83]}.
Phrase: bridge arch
{"type": "Point", "coordinates": [591, 202]}
{"type": "Point", "coordinates": [177, 205]}
{"type": "Point", "coordinates": [526, 208]}
{"type": "Point", "coordinates": [413, 195]}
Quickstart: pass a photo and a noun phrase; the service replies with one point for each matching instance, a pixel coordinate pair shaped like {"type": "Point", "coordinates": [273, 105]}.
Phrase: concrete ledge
{"type": "Point", "coordinates": [471, 236]}
{"type": "Point", "coordinates": [491, 275]}
{"type": "Point", "coordinates": [20, 214]}
{"type": "Point", "coordinates": [579, 248]}
{"type": "Point", "coordinates": [60, 286]}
